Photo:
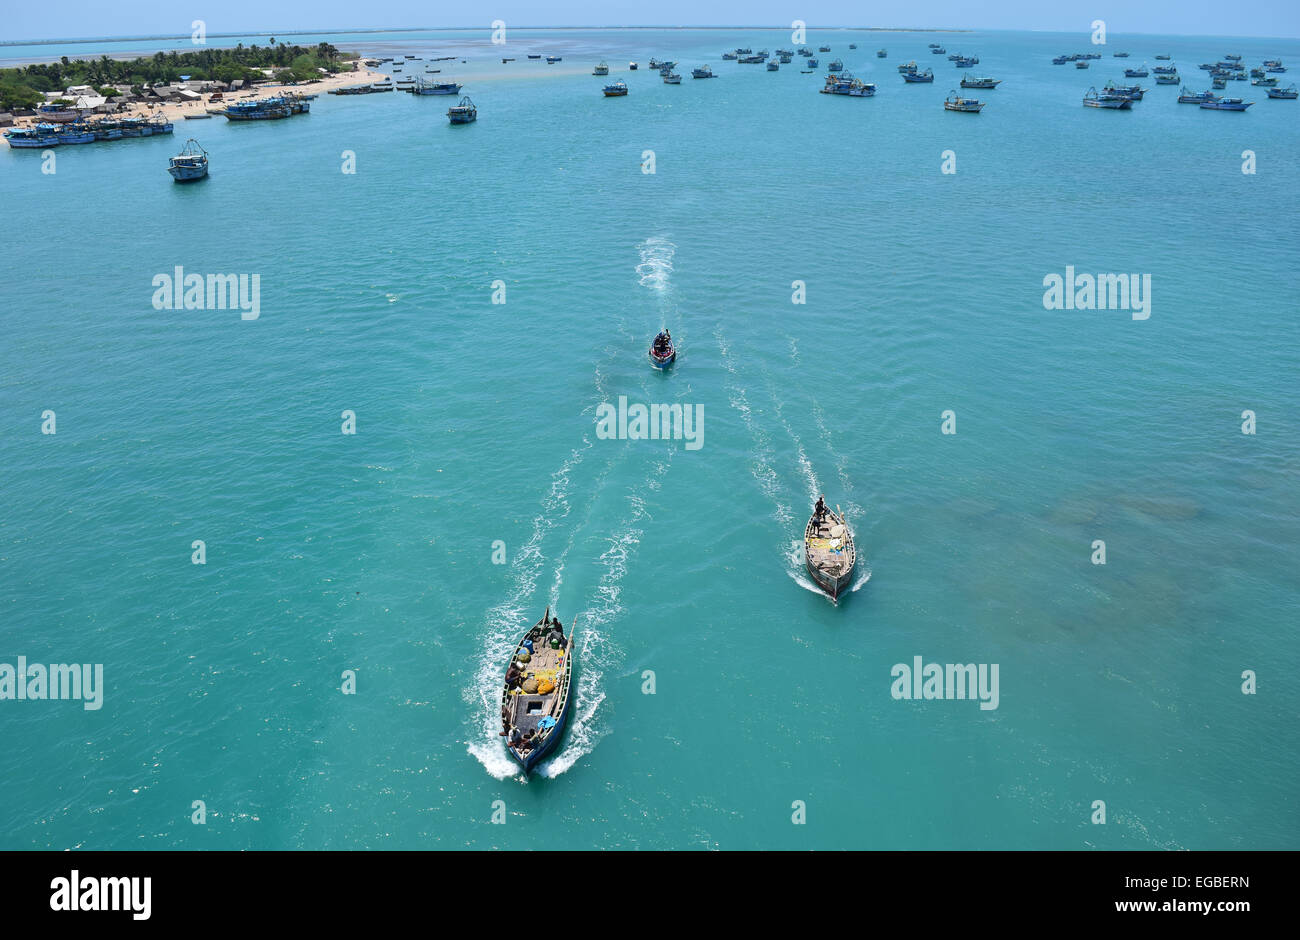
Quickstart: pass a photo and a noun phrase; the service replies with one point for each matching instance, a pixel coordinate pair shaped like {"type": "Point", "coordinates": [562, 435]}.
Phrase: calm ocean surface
{"type": "Point", "coordinates": [476, 423]}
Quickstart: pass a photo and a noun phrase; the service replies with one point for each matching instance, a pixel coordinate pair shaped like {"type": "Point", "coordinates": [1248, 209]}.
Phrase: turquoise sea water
{"type": "Point", "coordinates": [476, 423]}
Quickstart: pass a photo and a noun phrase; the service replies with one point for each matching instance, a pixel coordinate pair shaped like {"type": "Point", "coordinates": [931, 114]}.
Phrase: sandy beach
{"type": "Point", "coordinates": [176, 110]}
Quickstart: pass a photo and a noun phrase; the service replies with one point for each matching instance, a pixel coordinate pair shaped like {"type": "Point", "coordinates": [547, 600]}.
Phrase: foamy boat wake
{"type": "Point", "coordinates": [656, 268]}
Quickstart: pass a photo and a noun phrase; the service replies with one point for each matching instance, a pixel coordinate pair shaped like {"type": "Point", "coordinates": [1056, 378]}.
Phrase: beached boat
{"type": "Point", "coordinates": [55, 114]}
{"type": "Point", "coordinates": [1287, 93]}
{"type": "Point", "coordinates": [463, 112]}
{"type": "Point", "coordinates": [616, 90]}
{"type": "Point", "coordinates": [190, 117]}
{"type": "Point", "coordinates": [955, 102]}
{"type": "Point", "coordinates": [601, 69]}
{"type": "Point", "coordinates": [422, 87]}
{"type": "Point", "coordinates": [190, 164]}
{"type": "Point", "coordinates": [1112, 102]}
{"type": "Point", "coordinates": [670, 77]}
{"type": "Point", "coordinates": [536, 694]}
{"type": "Point", "coordinates": [918, 77]}
{"type": "Point", "coordinates": [1226, 104]}
{"type": "Point", "coordinates": [980, 82]}
{"type": "Point", "coordinates": [829, 552]}
{"type": "Point", "coordinates": [662, 351]}
{"type": "Point", "coordinates": [702, 72]}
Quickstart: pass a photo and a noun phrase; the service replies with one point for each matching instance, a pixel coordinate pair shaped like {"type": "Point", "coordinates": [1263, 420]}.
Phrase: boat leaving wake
{"type": "Point", "coordinates": [656, 267]}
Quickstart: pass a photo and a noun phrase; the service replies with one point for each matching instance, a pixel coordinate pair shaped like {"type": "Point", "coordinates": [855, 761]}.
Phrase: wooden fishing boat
{"type": "Point", "coordinates": [829, 553]}
{"type": "Point", "coordinates": [537, 692]}
{"type": "Point", "coordinates": [662, 351]}
{"type": "Point", "coordinates": [463, 112]}
{"type": "Point", "coordinates": [616, 90]}
{"type": "Point", "coordinates": [955, 102]}
{"type": "Point", "coordinates": [190, 164]}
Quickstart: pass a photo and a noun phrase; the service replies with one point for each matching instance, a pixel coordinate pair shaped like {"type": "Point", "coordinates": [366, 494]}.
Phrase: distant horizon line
{"type": "Point", "coordinates": [271, 33]}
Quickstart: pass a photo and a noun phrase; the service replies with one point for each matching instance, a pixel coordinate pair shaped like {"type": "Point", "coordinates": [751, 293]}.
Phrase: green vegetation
{"type": "Point", "coordinates": [22, 87]}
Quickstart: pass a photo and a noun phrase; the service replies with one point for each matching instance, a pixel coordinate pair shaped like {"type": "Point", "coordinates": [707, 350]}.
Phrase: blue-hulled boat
{"type": "Point", "coordinates": [1226, 104]}
{"type": "Point", "coordinates": [436, 88]}
{"type": "Point", "coordinates": [881, 53]}
{"type": "Point", "coordinates": [836, 66]}
{"type": "Point", "coordinates": [662, 351]}
{"type": "Point", "coordinates": [552, 59]}
{"type": "Point", "coordinates": [845, 84]}
{"type": "Point", "coordinates": [1165, 69]}
{"type": "Point", "coordinates": [1287, 93]}
{"type": "Point", "coordinates": [918, 77]}
{"type": "Point", "coordinates": [616, 90]}
{"type": "Point", "coordinates": [31, 138]}
{"type": "Point", "coordinates": [463, 112]}
{"type": "Point", "coordinates": [1081, 64]}
{"type": "Point", "coordinates": [537, 693]}
{"type": "Point", "coordinates": [907, 67]}
{"type": "Point", "coordinates": [939, 50]}
{"type": "Point", "coordinates": [812, 63]}
{"type": "Point", "coordinates": [1111, 102]}
{"type": "Point", "coordinates": [190, 164]}
{"type": "Point", "coordinates": [1135, 92]}
{"type": "Point", "coordinates": [702, 72]}
{"type": "Point", "coordinates": [75, 134]}
{"type": "Point", "coordinates": [773, 65]}
{"type": "Point", "coordinates": [1137, 73]}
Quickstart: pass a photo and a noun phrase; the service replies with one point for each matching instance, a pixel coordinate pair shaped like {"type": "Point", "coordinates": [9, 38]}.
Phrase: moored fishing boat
{"type": "Point", "coordinates": [835, 66]}
{"type": "Point", "coordinates": [939, 50]}
{"type": "Point", "coordinates": [670, 77]}
{"type": "Point", "coordinates": [1171, 79]}
{"type": "Point", "coordinates": [1288, 93]}
{"type": "Point", "coordinates": [1192, 97]}
{"type": "Point", "coordinates": [729, 57]}
{"type": "Point", "coordinates": [1166, 58]}
{"type": "Point", "coordinates": [1081, 64]}
{"type": "Point", "coordinates": [552, 59]}
{"type": "Point", "coordinates": [1226, 104]}
{"type": "Point", "coordinates": [662, 351]}
{"type": "Point", "coordinates": [1120, 55]}
{"type": "Point", "coordinates": [881, 53]}
{"type": "Point", "coordinates": [33, 138]}
{"type": "Point", "coordinates": [812, 63]}
{"type": "Point", "coordinates": [616, 90]}
{"type": "Point", "coordinates": [601, 69]}
{"type": "Point", "coordinates": [963, 62]}
{"type": "Point", "coordinates": [537, 691]}
{"type": "Point", "coordinates": [955, 102]}
{"type": "Point", "coordinates": [1165, 69]}
{"type": "Point", "coordinates": [1265, 82]}
{"type": "Point", "coordinates": [1137, 73]}
{"type": "Point", "coordinates": [918, 77]}
{"type": "Point", "coordinates": [631, 66]}
{"type": "Point", "coordinates": [752, 59]}
{"type": "Point", "coordinates": [828, 550]}
{"type": "Point", "coordinates": [907, 67]}
{"type": "Point", "coordinates": [980, 82]}
{"type": "Point", "coordinates": [463, 112]}
{"type": "Point", "coordinates": [846, 84]}
{"type": "Point", "coordinates": [261, 109]}
{"type": "Point", "coordinates": [823, 48]}
{"type": "Point", "coordinates": [190, 164]}
{"type": "Point", "coordinates": [74, 134]}
{"type": "Point", "coordinates": [702, 72]}
{"type": "Point", "coordinates": [1135, 92]}
{"type": "Point", "coordinates": [1111, 102]}
{"type": "Point", "coordinates": [422, 87]}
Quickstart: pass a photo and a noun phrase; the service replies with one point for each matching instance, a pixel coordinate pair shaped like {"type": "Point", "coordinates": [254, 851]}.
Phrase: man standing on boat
{"type": "Point", "coordinates": [819, 511]}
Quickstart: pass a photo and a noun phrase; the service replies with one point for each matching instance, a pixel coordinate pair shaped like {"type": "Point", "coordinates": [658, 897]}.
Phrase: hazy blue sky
{"type": "Point", "coordinates": [96, 18]}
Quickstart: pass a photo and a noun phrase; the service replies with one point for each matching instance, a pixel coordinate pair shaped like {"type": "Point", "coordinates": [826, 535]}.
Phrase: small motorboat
{"type": "Point", "coordinates": [662, 351]}
{"type": "Point", "coordinates": [829, 553]}
{"type": "Point", "coordinates": [536, 697]}
{"type": "Point", "coordinates": [190, 164]}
